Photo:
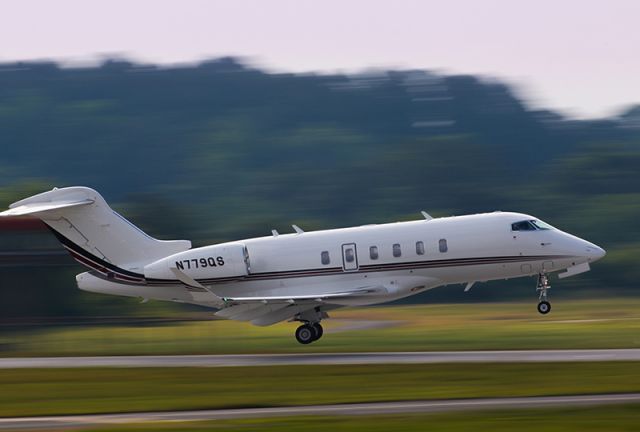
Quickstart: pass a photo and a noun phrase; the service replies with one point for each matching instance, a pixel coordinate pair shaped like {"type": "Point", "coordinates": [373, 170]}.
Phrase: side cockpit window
{"type": "Point", "coordinates": [523, 226]}
{"type": "Point", "coordinates": [530, 225]}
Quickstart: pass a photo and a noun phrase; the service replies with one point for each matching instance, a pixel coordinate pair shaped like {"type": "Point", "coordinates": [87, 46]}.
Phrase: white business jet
{"type": "Point", "coordinates": [303, 275]}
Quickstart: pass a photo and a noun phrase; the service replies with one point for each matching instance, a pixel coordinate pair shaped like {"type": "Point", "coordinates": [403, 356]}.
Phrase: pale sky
{"type": "Point", "coordinates": [578, 56]}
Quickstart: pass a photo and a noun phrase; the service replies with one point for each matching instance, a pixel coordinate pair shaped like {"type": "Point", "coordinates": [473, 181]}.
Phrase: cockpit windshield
{"type": "Point", "coordinates": [530, 225]}
{"type": "Point", "coordinates": [541, 225]}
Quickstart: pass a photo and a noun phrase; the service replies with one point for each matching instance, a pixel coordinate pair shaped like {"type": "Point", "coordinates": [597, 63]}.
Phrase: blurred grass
{"type": "Point", "coordinates": [613, 323]}
{"type": "Point", "coordinates": [28, 392]}
{"type": "Point", "coordinates": [581, 419]}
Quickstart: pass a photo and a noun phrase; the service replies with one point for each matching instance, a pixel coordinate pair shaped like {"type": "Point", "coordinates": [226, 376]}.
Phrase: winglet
{"type": "Point", "coordinates": [186, 279]}
{"type": "Point", "coordinates": [191, 282]}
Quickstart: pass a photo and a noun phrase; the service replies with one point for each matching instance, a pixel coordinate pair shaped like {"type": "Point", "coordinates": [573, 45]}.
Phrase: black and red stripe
{"type": "Point", "coordinates": [104, 268]}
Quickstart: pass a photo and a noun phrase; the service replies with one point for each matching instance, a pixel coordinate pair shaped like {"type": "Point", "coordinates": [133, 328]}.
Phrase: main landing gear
{"type": "Point", "coordinates": [544, 307]}
{"type": "Point", "coordinates": [310, 332]}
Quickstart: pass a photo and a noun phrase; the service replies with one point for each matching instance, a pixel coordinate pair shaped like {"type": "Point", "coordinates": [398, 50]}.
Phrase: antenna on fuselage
{"type": "Point", "coordinates": [297, 229]}
{"type": "Point", "coordinates": [426, 215]}
{"type": "Point", "coordinates": [275, 233]}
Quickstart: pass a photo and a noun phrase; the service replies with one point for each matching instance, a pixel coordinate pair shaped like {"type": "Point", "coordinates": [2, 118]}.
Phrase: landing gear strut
{"type": "Point", "coordinates": [544, 307]}
{"type": "Point", "coordinates": [307, 333]}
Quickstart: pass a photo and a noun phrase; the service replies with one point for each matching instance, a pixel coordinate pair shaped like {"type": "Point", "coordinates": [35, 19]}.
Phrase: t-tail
{"type": "Point", "coordinates": [94, 234]}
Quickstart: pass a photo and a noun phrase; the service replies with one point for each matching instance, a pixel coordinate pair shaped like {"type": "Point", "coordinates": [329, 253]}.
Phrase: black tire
{"type": "Point", "coordinates": [305, 334]}
{"type": "Point", "coordinates": [544, 307]}
{"type": "Point", "coordinates": [319, 330]}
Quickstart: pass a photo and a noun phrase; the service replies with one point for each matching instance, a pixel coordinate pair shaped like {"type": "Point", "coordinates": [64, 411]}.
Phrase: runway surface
{"type": "Point", "coordinates": [326, 359]}
{"type": "Point", "coordinates": [345, 409]}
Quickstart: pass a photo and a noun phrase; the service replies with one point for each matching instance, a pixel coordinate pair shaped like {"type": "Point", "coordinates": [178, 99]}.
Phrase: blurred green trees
{"type": "Point", "coordinates": [221, 151]}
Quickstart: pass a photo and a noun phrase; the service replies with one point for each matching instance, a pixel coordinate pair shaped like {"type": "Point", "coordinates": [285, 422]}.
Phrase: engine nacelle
{"type": "Point", "coordinates": [208, 262]}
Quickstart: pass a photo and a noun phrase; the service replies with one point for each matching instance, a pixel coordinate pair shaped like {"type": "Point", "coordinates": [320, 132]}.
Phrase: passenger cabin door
{"type": "Point", "coordinates": [349, 257]}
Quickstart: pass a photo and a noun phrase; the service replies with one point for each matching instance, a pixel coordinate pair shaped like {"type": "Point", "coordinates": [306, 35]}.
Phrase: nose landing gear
{"type": "Point", "coordinates": [544, 307]}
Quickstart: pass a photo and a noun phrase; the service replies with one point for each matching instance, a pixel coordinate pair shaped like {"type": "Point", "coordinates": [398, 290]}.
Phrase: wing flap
{"type": "Point", "coordinates": [281, 314]}
{"type": "Point", "coordinates": [258, 311]}
{"type": "Point", "coordinates": [262, 314]}
{"type": "Point", "coordinates": [295, 299]}
{"type": "Point", "coordinates": [231, 311]}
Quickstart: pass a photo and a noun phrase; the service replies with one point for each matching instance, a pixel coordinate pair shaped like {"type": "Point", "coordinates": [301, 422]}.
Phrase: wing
{"type": "Point", "coordinates": [264, 311]}
{"type": "Point", "coordinates": [267, 310]}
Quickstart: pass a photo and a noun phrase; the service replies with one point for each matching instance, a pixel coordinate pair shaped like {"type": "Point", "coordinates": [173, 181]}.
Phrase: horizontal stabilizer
{"type": "Point", "coordinates": [39, 207]}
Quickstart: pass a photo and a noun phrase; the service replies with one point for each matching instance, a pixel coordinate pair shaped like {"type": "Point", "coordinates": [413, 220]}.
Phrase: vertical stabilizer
{"type": "Point", "coordinates": [95, 235]}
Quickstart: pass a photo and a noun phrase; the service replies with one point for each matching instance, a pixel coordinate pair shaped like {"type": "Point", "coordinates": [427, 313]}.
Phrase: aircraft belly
{"type": "Point", "coordinates": [317, 285]}
{"type": "Point", "coordinates": [483, 272]}
{"type": "Point", "coordinates": [350, 280]}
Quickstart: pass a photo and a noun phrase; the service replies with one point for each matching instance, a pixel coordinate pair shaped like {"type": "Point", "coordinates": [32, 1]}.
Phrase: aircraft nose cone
{"type": "Point", "coordinates": [595, 252]}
